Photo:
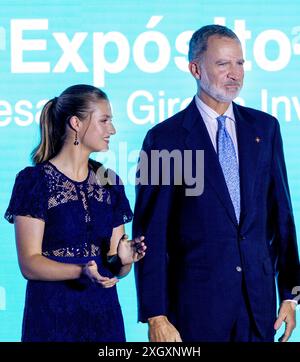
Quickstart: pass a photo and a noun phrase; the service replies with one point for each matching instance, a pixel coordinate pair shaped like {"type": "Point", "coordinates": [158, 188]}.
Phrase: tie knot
{"type": "Point", "coordinates": [221, 121]}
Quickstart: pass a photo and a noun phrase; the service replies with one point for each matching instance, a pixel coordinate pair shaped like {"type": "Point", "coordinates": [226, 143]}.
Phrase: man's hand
{"type": "Point", "coordinates": [161, 330]}
{"type": "Point", "coordinates": [287, 314]}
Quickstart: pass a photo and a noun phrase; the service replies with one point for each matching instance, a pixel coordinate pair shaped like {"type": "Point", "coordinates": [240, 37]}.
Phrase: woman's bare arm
{"type": "Point", "coordinates": [117, 234]}
{"type": "Point", "coordinates": [29, 235]}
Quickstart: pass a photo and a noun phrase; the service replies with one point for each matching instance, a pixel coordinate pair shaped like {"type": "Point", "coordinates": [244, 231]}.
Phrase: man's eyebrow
{"type": "Point", "coordinates": [228, 60]}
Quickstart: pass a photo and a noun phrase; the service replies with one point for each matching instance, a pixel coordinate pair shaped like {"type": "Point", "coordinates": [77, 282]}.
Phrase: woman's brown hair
{"type": "Point", "coordinates": [76, 100]}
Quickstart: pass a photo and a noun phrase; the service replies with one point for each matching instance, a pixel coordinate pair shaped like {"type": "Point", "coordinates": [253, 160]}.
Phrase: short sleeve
{"type": "Point", "coordinates": [28, 196]}
{"type": "Point", "coordinates": [122, 213]}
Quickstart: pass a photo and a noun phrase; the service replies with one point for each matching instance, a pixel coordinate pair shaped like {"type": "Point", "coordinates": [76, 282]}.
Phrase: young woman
{"type": "Point", "coordinates": [69, 220]}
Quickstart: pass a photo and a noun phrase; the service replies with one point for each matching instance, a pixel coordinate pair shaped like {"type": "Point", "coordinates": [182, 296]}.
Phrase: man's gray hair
{"type": "Point", "coordinates": [198, 42]}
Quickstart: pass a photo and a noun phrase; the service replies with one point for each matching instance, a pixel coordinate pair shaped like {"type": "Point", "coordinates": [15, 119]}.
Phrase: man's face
{"type": "Point", "coordinates": [221, 69]}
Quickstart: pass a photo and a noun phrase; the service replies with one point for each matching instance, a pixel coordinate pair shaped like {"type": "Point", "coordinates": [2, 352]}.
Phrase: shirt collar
{"type": "Point", "coordinates": [212, 114]}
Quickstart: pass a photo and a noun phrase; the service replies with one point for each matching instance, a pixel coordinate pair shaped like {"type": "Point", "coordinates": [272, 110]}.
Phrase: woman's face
{"type": "Point", "coordinates": [95, 133]}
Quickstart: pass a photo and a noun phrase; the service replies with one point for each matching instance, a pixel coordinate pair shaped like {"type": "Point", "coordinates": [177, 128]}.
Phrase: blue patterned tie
{"type": "Point", "coordinates": [229, 164]}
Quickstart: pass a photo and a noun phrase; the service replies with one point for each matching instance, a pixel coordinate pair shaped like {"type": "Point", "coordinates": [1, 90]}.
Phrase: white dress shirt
{"type": "Point", "coordinates": [210, 120]}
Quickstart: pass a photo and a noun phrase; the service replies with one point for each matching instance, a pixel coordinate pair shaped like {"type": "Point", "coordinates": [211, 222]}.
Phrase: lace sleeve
{"type": "Point", "coordinates": [28, 196]}
{"type": "Point", "coordinates": [121, 209]}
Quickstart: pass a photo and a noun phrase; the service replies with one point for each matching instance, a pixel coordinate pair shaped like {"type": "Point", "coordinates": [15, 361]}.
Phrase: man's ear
{"type": "Point", "coordinates": [195, 70]}
{"type": "Point", "coordinates": [74, 123]}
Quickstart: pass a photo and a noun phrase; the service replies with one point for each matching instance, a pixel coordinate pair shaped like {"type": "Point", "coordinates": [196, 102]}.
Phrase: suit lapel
{"type": "Point", "coordinates": [198, 138]}
{"type": "Point", "coordinates": [248, 149]}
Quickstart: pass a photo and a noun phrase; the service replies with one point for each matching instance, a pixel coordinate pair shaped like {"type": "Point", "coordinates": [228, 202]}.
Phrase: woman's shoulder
{"type": "Point", "coordinates": [29, 196]}
{"type": "Point", "coordinates": [31, 178]}
{"type": "Point", "coordinates": [31, 172]}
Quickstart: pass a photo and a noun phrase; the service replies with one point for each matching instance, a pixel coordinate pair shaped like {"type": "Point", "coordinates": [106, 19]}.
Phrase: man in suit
{"type": "Point", "coordinates": [213, 258]}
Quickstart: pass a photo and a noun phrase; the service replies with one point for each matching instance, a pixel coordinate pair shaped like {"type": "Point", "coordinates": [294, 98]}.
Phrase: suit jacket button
{"type": "Point", "coordinates": [242, 237]}
{"type": "Point", "coordinates": [238, 269]}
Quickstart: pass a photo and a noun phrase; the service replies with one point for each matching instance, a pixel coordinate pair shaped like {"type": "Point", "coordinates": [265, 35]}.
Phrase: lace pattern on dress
{"type": "Point", "coordinates": [61, 191]}
{"type": "Point", "coordinates": [98, 193]}
{"type": "Point", "coordinates": [84, 250]}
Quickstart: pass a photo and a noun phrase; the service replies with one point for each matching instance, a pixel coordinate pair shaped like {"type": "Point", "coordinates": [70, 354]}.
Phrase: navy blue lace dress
{"type": "Point", "coordinates": [79, 218]}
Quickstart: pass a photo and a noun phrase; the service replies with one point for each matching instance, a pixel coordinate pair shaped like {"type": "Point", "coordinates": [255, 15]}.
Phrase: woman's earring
{"type": "Point", "coordinates": [76, 143]}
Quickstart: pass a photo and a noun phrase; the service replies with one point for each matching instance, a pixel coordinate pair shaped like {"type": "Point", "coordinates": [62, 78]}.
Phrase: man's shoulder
{"type": "Point", "coordinates": [255, 115]}
{"type": "Point", "coordinates": [171, 123]}
{"type": "Point", "coordinates": [167, 133]}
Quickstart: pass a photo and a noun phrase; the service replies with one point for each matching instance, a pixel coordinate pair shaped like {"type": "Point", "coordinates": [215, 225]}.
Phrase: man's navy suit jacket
{"type": "Point", "coordinates": [198, 255]}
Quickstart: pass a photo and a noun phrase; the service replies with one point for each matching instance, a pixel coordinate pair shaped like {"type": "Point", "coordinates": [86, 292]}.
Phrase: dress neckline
{"type": "Point", "coordinates": [68, 178]}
